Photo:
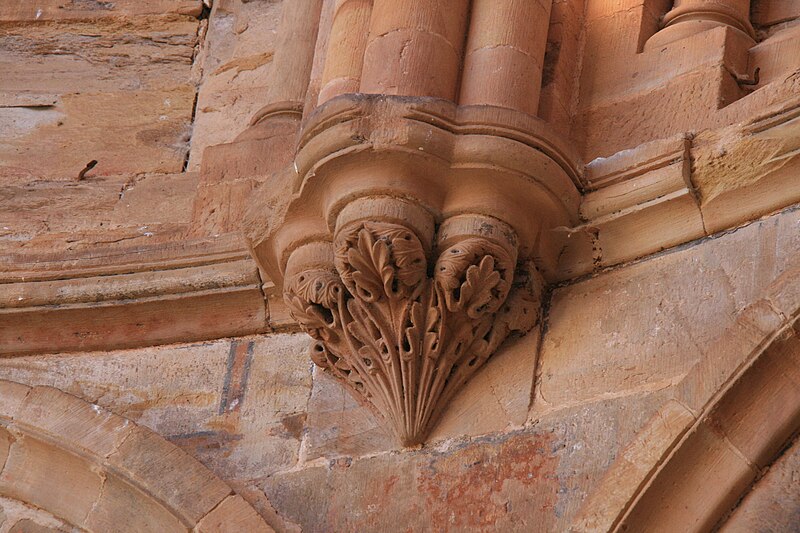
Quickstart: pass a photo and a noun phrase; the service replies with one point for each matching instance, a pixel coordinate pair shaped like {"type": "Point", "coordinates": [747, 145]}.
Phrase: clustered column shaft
{"type": "Point", "coordinates": [295, 52]}
{"type": "Point", "coordinates": [345, 55]}
{"type": "Point", "coordinates": [504, 54]}
{"type": "Point", "coordinates": [415, 48]}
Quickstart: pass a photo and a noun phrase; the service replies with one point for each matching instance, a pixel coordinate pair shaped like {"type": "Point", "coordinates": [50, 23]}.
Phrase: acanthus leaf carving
{"type": "Point", "coordinates": [404, 341]}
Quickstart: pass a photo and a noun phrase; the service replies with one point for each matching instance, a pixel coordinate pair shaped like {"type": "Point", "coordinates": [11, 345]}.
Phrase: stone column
{"type": "Point", "coordinates": [688, 17]}
{"type": "Point", "coordinates": [345, 55]}
{"type": "Point", "coordinates": [504, 54]}
{"type": "Point", "coordinates": [294, 55]}
{"type": "Point", "coordinates": [415, 47]}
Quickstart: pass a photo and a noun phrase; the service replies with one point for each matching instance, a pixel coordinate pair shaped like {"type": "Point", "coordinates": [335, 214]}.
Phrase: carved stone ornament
{"type": "Point", "coordinates": [401, 338]}
{"type": "Point", "coordinates": [409, 270]}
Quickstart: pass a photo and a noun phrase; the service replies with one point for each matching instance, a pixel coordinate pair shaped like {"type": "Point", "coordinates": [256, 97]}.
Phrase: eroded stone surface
{"type": "Point", "coordinates": [530, 438]}
{"type": "Point", "coordinates": [24, 517]}
{"type": "Point", "coordinates": [686, 298]}
{"type": "Point", "coordinates": [526, 478]}
{"type": "Point", "coordinates": [236, 62]}
{"type": "Point", "coordinates": [773, 504]}
{"type": "Point", "coordinates": [130, 118]}
{"type": "Point", "coordinates": [239, 405]}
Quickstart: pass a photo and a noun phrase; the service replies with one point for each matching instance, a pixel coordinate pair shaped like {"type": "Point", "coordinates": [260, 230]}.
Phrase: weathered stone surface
{"type": "Point", "coordinates": [631, 466]}
{"type": "Point", "coordinates": [73, 420]}
{"type": "Point", "coordinates": [720, 465]}
{"type": "Point", "coordinates": [498, 398]}
{"type": "Point", "coordinates": [59, 10]}
{"type": "Point", "coordinates": [5, 443]}
{"type": "Point", "coordinates": [760, 413]}
{"type": "Point", "coordinates": [66, 462]}
{"type": "Point", "coordinates": [30, 471]}
{"type": "Point", "coordinates": [148, 110]}
{"type": "Point", "coordinates": [716, 280]}
{"type": "Point", "coordinates": [240, 406]}
{"type": "Point", "coordinates": [24, 517]}
{"type": "Point", "coordinates": [11, 397]}
{"type": "Point", "coordinates": [773, 503]}
{"type": "Point", "coordinates": [534, 477]}
{"type": "Point", "coordinates": [473, 486]}
{"type": "Point", "coordinates": [545, 437]}
{"type": "Point", "coordinates": [150, 133]}
{"type": "Point", "coordinates": [157, 467]}
{"type": "Point", "coordinates": [123, 507]}
{"type": "Point", "coordinates": [29, 526]}
{"type": "Point", "coordinates": [137, 384]}
{"type": "Point", "coordinates": [233, 514]}
{"type": "Point", "coordinates": [258, 423]}
{"type": "Point", "coordinates": [236, 61]}
{"type": "Point", "coordinates": [48, 215]}
{"type": "Point", "coordinates": [338, 425]}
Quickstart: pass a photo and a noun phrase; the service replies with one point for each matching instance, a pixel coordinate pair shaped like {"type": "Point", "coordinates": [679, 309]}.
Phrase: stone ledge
{"type": "Point", "coordinates": [668, 192]}
{"type": "Point", "coordinates": [112, 301]}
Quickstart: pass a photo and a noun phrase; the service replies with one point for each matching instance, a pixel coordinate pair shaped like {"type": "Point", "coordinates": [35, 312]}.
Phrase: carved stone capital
{"type": "Point", "coordinates": [408, 238]}
{"type": "Point", "coordinates": [405, 328]}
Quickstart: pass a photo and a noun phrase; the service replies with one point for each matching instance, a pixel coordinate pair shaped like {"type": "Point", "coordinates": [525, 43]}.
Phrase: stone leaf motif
{"type": "Point", "coordinates": [402, 341]}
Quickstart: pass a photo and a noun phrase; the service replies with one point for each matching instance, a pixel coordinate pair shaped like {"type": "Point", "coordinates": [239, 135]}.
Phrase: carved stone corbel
{"type": "Point", "coordinates": [401, 324]}
{"type": "Point", "coordinates": [409, 240]}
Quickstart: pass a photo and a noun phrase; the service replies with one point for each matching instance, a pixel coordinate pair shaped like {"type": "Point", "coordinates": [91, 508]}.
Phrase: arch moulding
{"type": "Point", "coordinates": [98, 471]}
{"type": "Point", "coordinates": [729, 420]}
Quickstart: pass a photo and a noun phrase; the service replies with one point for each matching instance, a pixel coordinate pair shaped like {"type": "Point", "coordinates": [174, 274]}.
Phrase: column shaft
{"type": "Point", "coordinates": [345, 55]}
{"type": "Point", "coordinates": [294, 51]}
{"type": "Point", "coordinates": [504, 54]}
{"type": "Point", "coordinates": [415, 47]}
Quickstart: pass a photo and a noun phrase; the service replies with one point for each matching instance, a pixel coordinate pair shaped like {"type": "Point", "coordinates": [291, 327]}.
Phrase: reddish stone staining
{"type": "Point", "coordinates": [478, 488]}
{"type": "Point", "coordinates": [489, 485]}
{"type": "Point", "coordinates": [389, 484]}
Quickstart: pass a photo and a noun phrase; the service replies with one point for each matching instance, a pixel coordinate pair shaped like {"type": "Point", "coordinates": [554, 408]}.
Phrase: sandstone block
{"type": "Point", "coordinates": [150, 133]}
{"type": "Point", "coordinates": [29, 526]}
{"type": "Point", "coordinates": [734, 346]}
{"type": "Point", "coordinates": [233, 514]}
{"type": "Point", "coordinates": [338, 425]}
{"type": "Point", "coordinates": [149, 460]}
{"type": "Point", "coordinates": [122, 508]}
{"type": "Point", "coordinates": [772, 504]}
{"type": "Point", "coordinates": [68, 418]}
{"type": "Point", "coordinates": [639, 458]}
{"type": "Point", "coordinates": [498, 397]}
{"type": "Point", "coordinates": [11, 397]}
{"type": "Point", "coordinates": [51, 478]}
{"type": "Point", "coordinates": [760, 414]}
{"type": "Point", "coordinates": [5, 444]}
{"type": "Point", "coordinates": [58, 10]}
{"type": "Point", "coordinates": [710, 460]}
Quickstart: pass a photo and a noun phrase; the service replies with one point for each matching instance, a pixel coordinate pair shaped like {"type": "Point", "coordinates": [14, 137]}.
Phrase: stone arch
{"type": "Point", "coordinates": [98, 471]}
{"type": "Point", "coordinates": [728, 421]}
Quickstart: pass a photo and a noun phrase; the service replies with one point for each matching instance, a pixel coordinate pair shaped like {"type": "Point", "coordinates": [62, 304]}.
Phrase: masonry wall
{"type": "Point", "coordinates": [522, 445]}
{"type": "Point", "coordinates": [143, 88]}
